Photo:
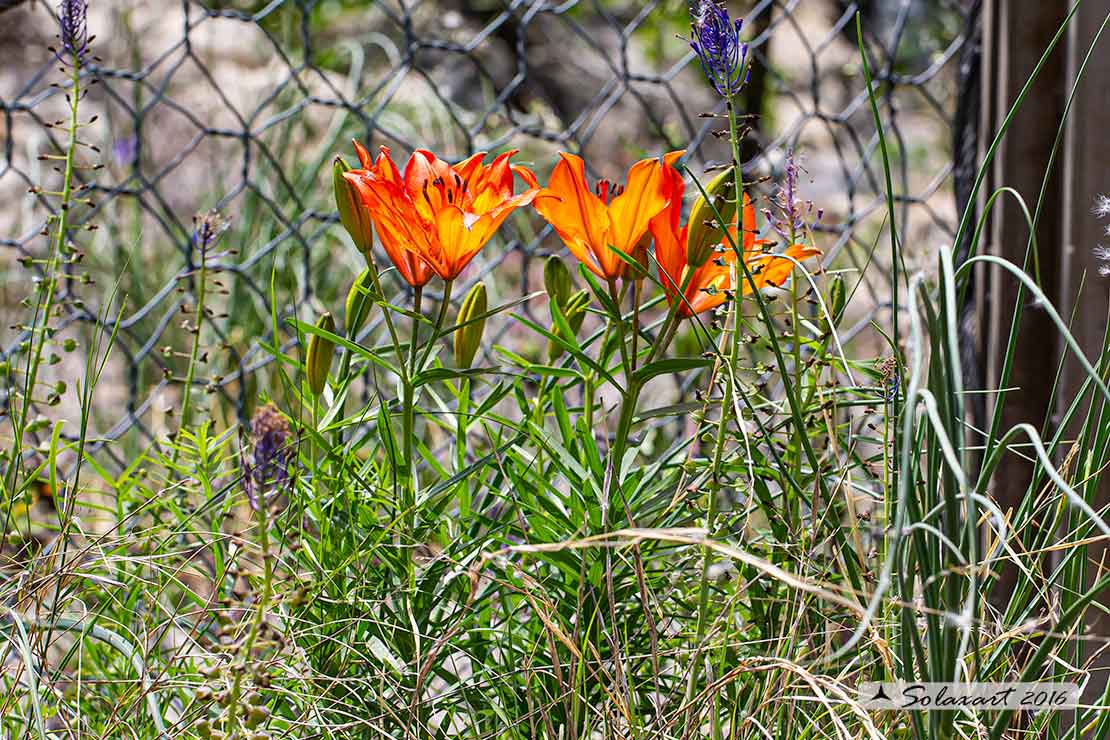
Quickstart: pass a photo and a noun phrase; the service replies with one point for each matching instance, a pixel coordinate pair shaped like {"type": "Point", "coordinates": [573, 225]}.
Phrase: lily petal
{"type": "Point", "coordinates": [772, 271]}
{"type": "Point", "coordinates": [643, 199]}
{"type": "Point", "coordinates": [579, 217]}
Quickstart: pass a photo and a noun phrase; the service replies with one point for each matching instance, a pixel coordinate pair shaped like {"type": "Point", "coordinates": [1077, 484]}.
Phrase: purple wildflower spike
{"type": "Point", "coordinates": [794, 216]}
{"type": "Point", "coordinates": [715, 38]}
{"type": "Point", "coordinates": [272, 454]}
{"type": "Point", "coordinates": [73, 30]}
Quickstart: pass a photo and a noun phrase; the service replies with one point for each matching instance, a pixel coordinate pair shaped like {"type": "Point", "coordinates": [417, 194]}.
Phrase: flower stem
{"type": "Point", "coordinates": [194, 351]}
{"type": "Point", "coordinates": [438, 326]}
{"type": "Point", "coordinates": [618, 322]}
{"type": "Point", "coordinates": [408, 485]}
{"type": "Point", "coordinates": [637, 290]}
{"type": "Point", "coordinates": [386, 315]}
{"type": "Point", "coordinates": [462, 424]}
{"type": "Point", "coordinates": [40, 335]}
{"type": "Point", "coordinates": [722, 426]}
{"type": "Point", "coordinates": [240, 667]}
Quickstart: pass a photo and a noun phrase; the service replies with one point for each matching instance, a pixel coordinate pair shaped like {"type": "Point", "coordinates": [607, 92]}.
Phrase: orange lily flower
{"type": "Point", "coordinates": [590, 222]}
{"type": "Point", "coordinates": [707, 287]}
{"type": "Point", "coordinates": [436, 217]}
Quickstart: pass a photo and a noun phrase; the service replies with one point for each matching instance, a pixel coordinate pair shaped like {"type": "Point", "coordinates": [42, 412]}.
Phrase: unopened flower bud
{"type": "Point", "coordinates": [575, 314]}
{"type": "Point", "coordinates": [469, 337]}
{"type": "Point", "coordinates": [557, 281]}
{"type": "Point", "coordinates": [359, 302]}
{"type": "Point", "coordinates": [354, 217]}
{"type": "Point", "coordinates": [706, 231]}
{"type": "Point", "coordinates": [319, 355]}
{"type": "Point", "coordinates": [837, 299]}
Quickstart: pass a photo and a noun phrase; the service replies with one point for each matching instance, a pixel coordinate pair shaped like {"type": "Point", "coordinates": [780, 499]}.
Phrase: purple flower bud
{"type": "Point", "coordinates": [125, 150]}
{"type": "Point", "coordinates": [208, 228]}
{"type": "Point", "coordinates": [73, 30]}
{"type": "Point", "coordinates": [715, 38]}
{"type": "Point", "coordinates": [268, 467]}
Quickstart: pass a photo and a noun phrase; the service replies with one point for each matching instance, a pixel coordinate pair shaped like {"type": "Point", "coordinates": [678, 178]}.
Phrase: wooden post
{"type": "Point", "coordinates": [1084, 292]}
{"type": "Point", "coordinates": [1016, 34]}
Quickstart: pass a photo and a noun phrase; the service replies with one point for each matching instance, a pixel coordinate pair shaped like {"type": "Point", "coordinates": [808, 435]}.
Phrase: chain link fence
{"type": "Point", "coordinates": [241, 106]}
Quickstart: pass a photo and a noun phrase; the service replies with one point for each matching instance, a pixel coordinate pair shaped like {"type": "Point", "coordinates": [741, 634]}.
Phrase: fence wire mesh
{"type": "Point", "coordinates": [240, 106]}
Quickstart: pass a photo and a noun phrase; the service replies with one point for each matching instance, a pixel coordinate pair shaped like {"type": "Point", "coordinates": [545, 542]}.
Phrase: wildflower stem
{"type": "Point", "coordinates": [408, 488]}
{"type": "Point", "coordinates": [796, 346]}
{"type": "Point", "coordinates": [723, 421]}
{"type": "Point", "coordinates": [590, 383]}
{"type": "Point", "coordinates": [386, 315]}
{"type": "Point", "coordinates": [461, 424]}
{"type": "Point", "coordinates": [637, 290]}
{"type": "Point", "coordinates": [194, 351]}
{"type": "Point", "coordinates": [247, 646]}
{"type": "Point", "coordinates": [414, 340]}
{"type": "Point", "coordinates": [671, 323]}
{"type": "Point", "coordinates": [40, 334]}
{"type": "Point", "coordinates": [628, 402]}
{"type": "Point", "coordinates": [618, 321]}
{"type": "Point", "coordinates": [441, 318]}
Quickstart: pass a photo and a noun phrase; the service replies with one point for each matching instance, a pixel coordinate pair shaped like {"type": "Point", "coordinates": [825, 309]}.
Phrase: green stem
{"type": "Point", "coordinates": [441, 317]}
{"type": "Point", "coordinates": [40, 335]}
{"type": "Point", "coordinates": [796, 347]}
{"type": "Point", "coordinates": [722, 426]}
{"type": "Point", "coordinates": [590, 387]}
{"type": "Point", "coordinates": [462, 424]}
{"type": "Point", "coordinates": [637, 290]}
{"type": "Point", "coordinates": [618, 322]}
{"type": "Point", "coordinates": [194, 351]}
{"type": "Point", "coordinates": [408, 486]}
{"type": "Point", "coordinates": [240, 667]}
{"type": "Point", "coordinates": [671, 323]}
{"type": "Point", "coordinates": [414, 339]}
{"type": "Point", "coordinates": [386, 315]}
{"type": "Point", "coordinates": [714, 493]}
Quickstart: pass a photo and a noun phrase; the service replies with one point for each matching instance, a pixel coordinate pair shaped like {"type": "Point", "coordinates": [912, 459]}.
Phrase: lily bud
{"type": "Point", "coordinates": [354, 217]}
{"type": "Point", "coordinates": [359, 302]}
{"type": "Point", "coordinates": [469, 338]}
{"type": "Point", "coordinates": [706, 231]}
{"type": "Point", "coordinates": [837, 299]}
{"type": "Point", "coordinates": [557, 281]}
{"type": "Point", "coordinates": [318, 358]}
{"type": "Point", "coordinates": [575, 313]}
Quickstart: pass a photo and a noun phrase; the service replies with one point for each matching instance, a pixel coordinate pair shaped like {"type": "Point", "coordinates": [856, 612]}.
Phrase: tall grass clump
{"type": "Point", "coordinates": [675, 506]}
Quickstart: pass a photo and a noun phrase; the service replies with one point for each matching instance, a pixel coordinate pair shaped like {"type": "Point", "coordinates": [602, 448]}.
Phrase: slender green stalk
{"type": "Point", "coordinates": [618, 323]}
{"type": "Point", "coordinates": [194, 350]}
{"type": "Point", "coordinates": [441, 319]}
{"type": "Point", "coordinates": [462, 423]}
{"type": "Point", "coordinates": [48, 289]}
{"type": "Point", "coordinates": [722, 428]}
